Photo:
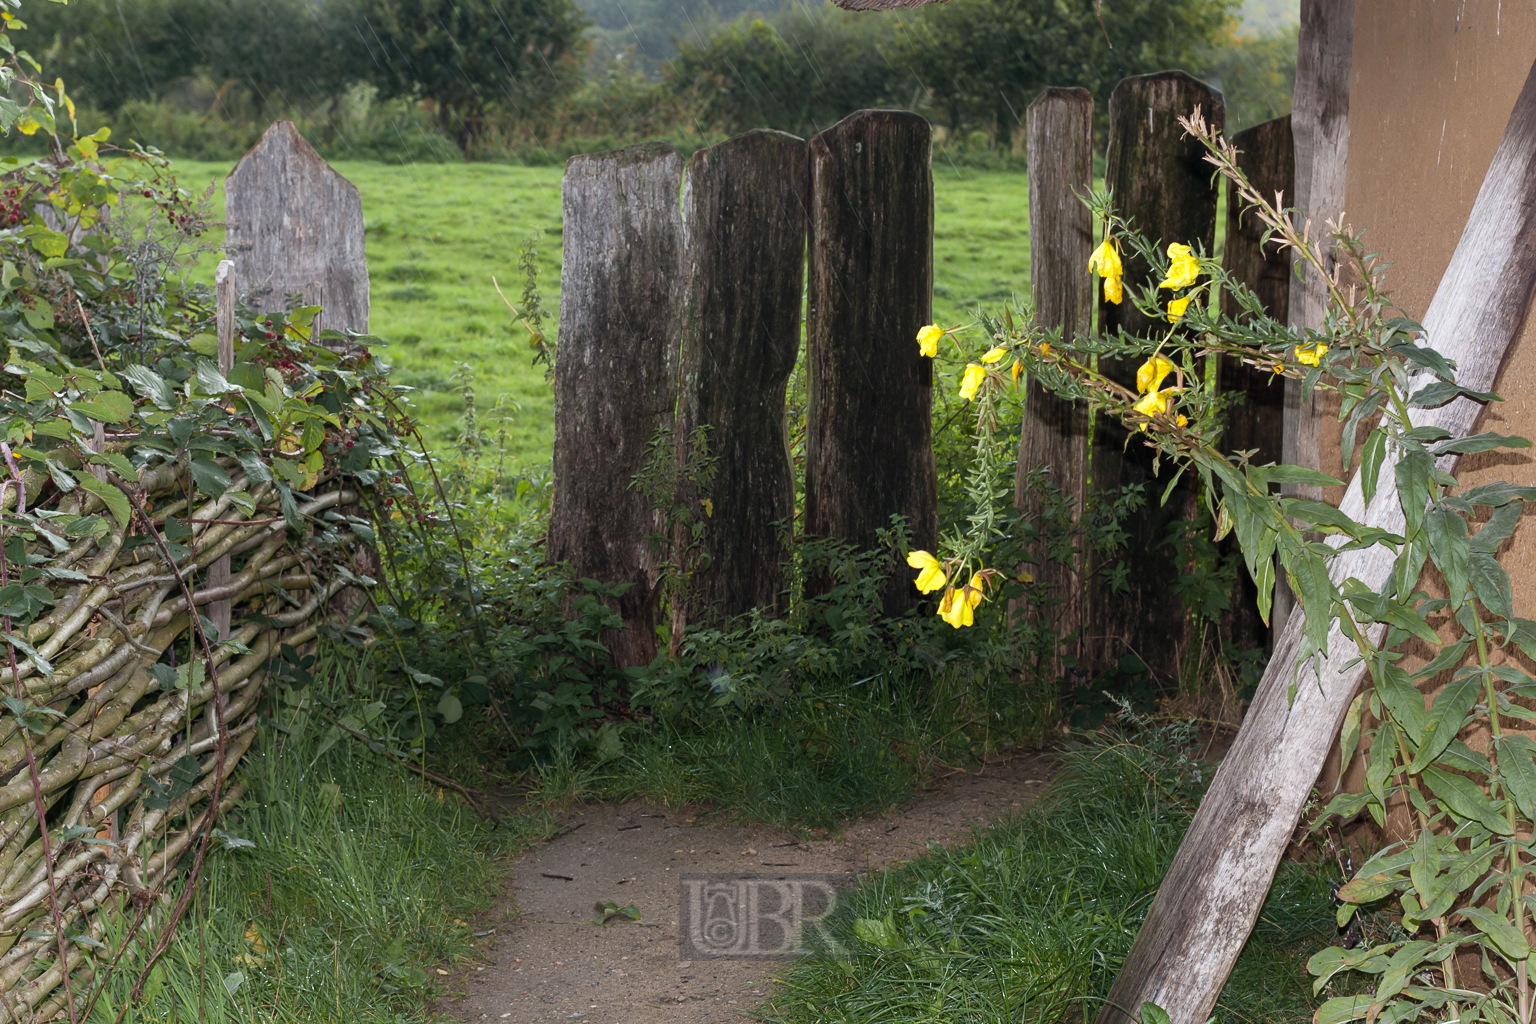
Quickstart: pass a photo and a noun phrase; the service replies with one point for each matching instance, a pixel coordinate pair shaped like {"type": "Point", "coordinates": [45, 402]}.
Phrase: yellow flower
{"type": "Point", "coordinates": [928, 340]}
{"type": "Point", "coordinates": [959, 606]}
{"type": "Point", "coordinates": [994, 354]}
{"type": "Point", "coordinates": [1018, 368]}
{"type": "Point", "coordinates": [1176, 307]}
{"type": "Point", "coordinates": [1155, 403]}
{"type": "Point", "coordinates": [1105, 262]}
{"type": "Point", "coordinates": [1311, 355]}
{"type": "Point", "coordinates": [971, 382]}
{"type": "Point", "coordinates": [1184, 269]}
{"type": "Point", "coordinates": [1150, 376]}
{"type": "Point", "coordinates": [1183, 420]}
{"type": "Point", "coordinates": [931, 571]}
{"type": "Point", "coordinates": [1045, 348]}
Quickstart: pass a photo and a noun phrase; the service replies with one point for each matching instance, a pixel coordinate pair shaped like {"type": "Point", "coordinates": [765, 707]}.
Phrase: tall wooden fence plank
{"type": "Point", "coordinates": [1212, 894]}
{"type": "Point", "coordinates": [744, 213]}
{"type": "Point", "coordinates": [1162, 184]}
{"type": "Point", "coordinates": [615, 372]}
{"type": "Point", "coordinates": [869, 448]}
{"type": "Point", "coordinates": [296, 226]}
{"type": "Point", "coordinates": [1059, 150]}
{"type": "Point", "coordinates": [1266, 154]}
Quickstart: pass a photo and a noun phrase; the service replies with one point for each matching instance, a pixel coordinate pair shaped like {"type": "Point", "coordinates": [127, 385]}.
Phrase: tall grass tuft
{"type": "Point", "coordinates": [1030, 921]}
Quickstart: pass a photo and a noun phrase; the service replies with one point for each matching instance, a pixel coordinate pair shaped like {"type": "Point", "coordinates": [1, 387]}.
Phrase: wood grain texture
{"type": "Point", "coordinates": [1211, 895]}
{"type": "Point", "coordinates": [1163, 185]}
{"type": "Point", "coordinates": [1266, 154]}
{"type": "Point", "coordinates": [869, 449]}
{"type": "Point", "coordinates": [296, 226]}
{"type": "Point", "coordinates": [615, 387]}
{"type": "Point", "coordinates": [1059, 150]}
{"type": "Point", "coordinates": [744, 214]}
{"type": "Point", "coordinates": [1320, 130]}
{"type": "Point", "coordinates": [220, 612]}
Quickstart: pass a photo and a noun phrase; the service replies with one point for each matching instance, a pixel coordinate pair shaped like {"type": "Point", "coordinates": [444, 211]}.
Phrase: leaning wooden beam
{"type": "Point", "coordinates": [1212, 894]}
{"type": "Point", "coordinates": [1059, 146]}
{"type": "Point", "coordinates": [614, 377]}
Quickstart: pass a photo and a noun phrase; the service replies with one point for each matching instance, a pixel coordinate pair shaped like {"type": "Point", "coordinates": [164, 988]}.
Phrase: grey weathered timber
{"type": "Point", "coordinates": [1320, 128]}
{"type": "Point", "coordinates": [869, 449]}
{"type": "Point", "coordinates": [219, 612]}
{"type": "Point", "coordinates": [1266, 155]}
{"type": "Point", "coordinates": [615, 384]}
{"type": "Point", "coordinates": [1163, 185]}
{"type": "Point", "coordinates": [1212, 894]}
{"type": "Point", "coordinates": [744, 214]}
{"type": "Point", "coordinates": [1059, 149]}
{"type": "Point", "coordinates": [296, 226]}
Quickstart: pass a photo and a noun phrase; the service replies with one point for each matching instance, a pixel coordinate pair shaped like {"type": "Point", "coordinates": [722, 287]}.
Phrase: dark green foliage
{"type": "Point", "coordinates": [1030, 921]}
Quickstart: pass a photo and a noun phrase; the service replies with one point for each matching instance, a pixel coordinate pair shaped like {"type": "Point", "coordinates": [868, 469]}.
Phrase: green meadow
{"type": "Point", "coordinates": [437, 234]}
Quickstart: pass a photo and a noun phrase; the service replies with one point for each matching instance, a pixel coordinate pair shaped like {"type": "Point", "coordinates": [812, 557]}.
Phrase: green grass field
{"type": "Point", "coordinates": [438, 233]}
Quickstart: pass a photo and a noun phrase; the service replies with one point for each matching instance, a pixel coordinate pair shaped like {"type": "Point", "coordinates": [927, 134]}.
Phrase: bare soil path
{"type": "Point", "coordinates": [547, 962]}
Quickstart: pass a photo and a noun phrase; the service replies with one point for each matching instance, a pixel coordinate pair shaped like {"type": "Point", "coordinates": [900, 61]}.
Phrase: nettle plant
{"type": "Point", "coordinates": [1461, 881]}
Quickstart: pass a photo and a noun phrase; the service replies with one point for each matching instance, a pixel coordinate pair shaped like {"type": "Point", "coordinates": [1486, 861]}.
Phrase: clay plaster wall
{"type": "Point", "coordinates": [1432, 85]}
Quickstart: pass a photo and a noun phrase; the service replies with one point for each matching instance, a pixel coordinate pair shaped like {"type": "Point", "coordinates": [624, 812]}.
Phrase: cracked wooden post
{"type": "Point", "coordinates": [744, 214]}
{"type": "Point", "coordinates": [1211, 896]}
{"type": "Point", "coordinates": [615, 373]}
{"type": "Point", "coordinates": [1163, 186]}
{"type": "Point", "coordinates": [869, 447]}
{"type": "Point", "coordinates": [219, 612]}
{"type": "Point", "coordinates": [1266, 155]}
{"type": "Point", "coordinates": [1059, 151]}
{"type": "Point", "coordinates": [295, 226]}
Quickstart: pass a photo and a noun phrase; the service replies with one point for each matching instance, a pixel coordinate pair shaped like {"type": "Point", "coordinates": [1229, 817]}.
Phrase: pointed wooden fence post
{"type": "Point", "coordinates": [615, 383]}
{"type": "Point", "coordinates": [744, 214]}
{"type": "Point", "coordinates": [1211, 896]}
{"type": "Point", "coordinates": [869, 446]}
{"type": "Point", "coordinates": [296, 226]}
{"type": "Point", "coordinates": [1267, 155]}
{"type": "Point", "coordinates": [220, 612]}
{"type": "Point", "coordinates": [1162, 184]}
{"type": "Point", "coordinates": [1058, 131]}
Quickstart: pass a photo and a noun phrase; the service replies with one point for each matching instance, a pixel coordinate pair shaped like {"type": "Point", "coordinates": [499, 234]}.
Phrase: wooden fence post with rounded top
{"type": "Point", "coordinates": [744, 215]}
{"type": "Point", "coordinates": [1059, 151]}
{"type": "Point", "coordinates": [1163, 186]}
{"type": "Point", "coordinates": [1266, 153]}
{"type": "Point", "coordinates": [869, 445]}
{"type": "Point", "coordinates": [615, 373]}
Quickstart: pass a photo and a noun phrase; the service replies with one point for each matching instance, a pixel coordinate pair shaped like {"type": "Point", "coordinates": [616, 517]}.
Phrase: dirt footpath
{"type": "Point", "coordinates": [546, 961]}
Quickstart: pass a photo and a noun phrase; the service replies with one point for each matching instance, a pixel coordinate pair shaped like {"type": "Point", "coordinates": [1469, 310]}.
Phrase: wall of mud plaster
{"type": "Point", "coordinates": [1432, 85]}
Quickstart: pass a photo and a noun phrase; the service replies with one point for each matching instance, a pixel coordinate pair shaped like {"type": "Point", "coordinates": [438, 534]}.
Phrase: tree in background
{"type": "Point", "coordinates": [985, 60]}
{"type": "Point", "coordinates": [799, 72]}
{"type": "Point", "coordinates": [468, 56]}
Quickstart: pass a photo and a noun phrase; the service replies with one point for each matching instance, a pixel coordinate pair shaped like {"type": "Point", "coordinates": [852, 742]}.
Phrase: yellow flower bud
{"type": "Point", "coordinates": [1151, 373]}
{"type": "Point", "coordinates": [971, 382]}
{"type": "Point", "coordinates": [1105, 262]}
{"type": "Point", "coordinates": [1176, 308]}
{"type": "Point", "coordinates": [994, 354]}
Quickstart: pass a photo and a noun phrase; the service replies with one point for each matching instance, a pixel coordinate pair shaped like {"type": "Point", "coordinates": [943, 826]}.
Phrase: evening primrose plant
{"type": "Point", "coordinates": [1460, 884]}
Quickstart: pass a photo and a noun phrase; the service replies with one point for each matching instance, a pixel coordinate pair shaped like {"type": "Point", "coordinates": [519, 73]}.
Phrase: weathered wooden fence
{"type": "Point", "coordinates": [677, 314]}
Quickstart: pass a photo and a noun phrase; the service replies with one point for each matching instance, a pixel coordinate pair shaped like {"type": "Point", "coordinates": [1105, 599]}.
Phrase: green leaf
{"type": "Point", "coordinates": [152, 386]}
{"type": "Point", "coordinates": [1415, 471]}
{"type": "Point", "coordinates": [1427, 358]}
{"type": "Point", "coordinates": [1465, 798]}
{"type": "Point", "coordinates": [1289, 474]}
{"type": "Point", "coordinates": [1517, 764]}
{"type": "Point", "coordinates": [1506, 938]}
{"type": "Point", "coordinates": [210, 477]}
{"type": "Point", "coordinates": [1151, 1013]}
{"type": "Point", "coordinates": [107, 406]}
{"type": "Point", "coordinates": [1490, 583]}
{"type": "Point", "coordinates": [450, 708]}
{"type": "Point", "coordinates": [232, 982]}
{"type": "Point", "coordinates": [1437, 394]}
{"type": "Point", "coordinates": [1342, 1008]}
{"type": "Point", "coordinates": [1445, 719]}
{"type": "Point", "coordinates": [48, 243]}
{"type": "Point", "coordinates": [1450, 549]}
{"type": "Point", "coordinates": [118, 463]}
{"type": "Point", "coordinates": [110, 496]}
{"type": "Point", "coordinates": [1498, 527]}
{"type": "Point", "coordinates": [1497, 494]}
{"type": "Point", "coordinates": [1371, 458]}
{"type": "Point", "coordinates": [211, 382]}
{"type": "Point", "coordinates": [1403, 700]}
{"type": "Point", "coordinates": [1478, 443]}
{"type": "Point", "coordinates": [1349, 735]}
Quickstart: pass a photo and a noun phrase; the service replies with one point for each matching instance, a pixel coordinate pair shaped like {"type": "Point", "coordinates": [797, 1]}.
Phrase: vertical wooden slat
{"type": "Point", "coordinates": [1163, 185]}
{"type": "Point", "coordinates": [1320, 128]}
{"type": "Point", "coordinates": [1211, 896]}
{"type": "Point", "coordinates": [219, 612]}
{"type": "Point", "coordinates": [1059, 150]}
{"type": "Point", "coordinates": [296, 226]}
{"type": "Point", "coordinates": [1266, 155]}
{"type": "Point", "coordinates": [869, 446]}
{"type": "Point", "coordinates": [615, 374]}
{"type": "Point", "coordinates": [744, 214]}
